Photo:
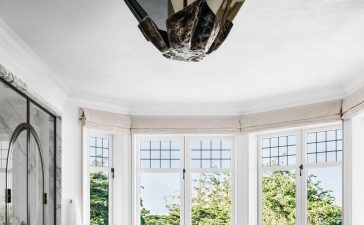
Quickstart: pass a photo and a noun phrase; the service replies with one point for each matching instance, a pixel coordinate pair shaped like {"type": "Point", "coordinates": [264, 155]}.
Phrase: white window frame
{"type": "Point", "coordinates": [301, 159]}
{"type": "Point", "coordinates": [139, 170]}
{"type": "Point", "coordinates": [308, 166]}
{"type": "Point", "coordinates": [186, 183]}
{"type": "Point", "coordinates": [88, 169]}
{"type": "Point", "coordinates": [294, 168]}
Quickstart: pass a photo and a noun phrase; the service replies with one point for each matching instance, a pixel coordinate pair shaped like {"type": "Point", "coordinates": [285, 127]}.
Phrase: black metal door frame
{"type": "Point", "coordinates": [30, 130]}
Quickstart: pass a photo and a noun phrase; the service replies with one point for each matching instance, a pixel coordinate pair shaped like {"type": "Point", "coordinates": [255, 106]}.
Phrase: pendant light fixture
{"type": "Point", "coordinates": [185, 30]}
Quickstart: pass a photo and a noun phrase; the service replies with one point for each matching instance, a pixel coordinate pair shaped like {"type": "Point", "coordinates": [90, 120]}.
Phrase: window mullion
{"type": "Point", "coordinates": [301, 211]}
{"type": "Point", "coordinates": [187, 184]}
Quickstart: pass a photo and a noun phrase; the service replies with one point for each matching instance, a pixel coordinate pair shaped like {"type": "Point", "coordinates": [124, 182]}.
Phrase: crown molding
{"type": "Point", "coordinates": [355, 84]}
{"type": "Point", "coordinates": [195, 109]}
{"type": "Point", "coordinates": [41, 81]}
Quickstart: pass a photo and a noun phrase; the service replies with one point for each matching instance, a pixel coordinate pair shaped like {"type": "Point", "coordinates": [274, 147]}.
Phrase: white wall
{"type": "Point", "coordinates": [71, 160]}
{"type": "Point", "coordinates": [41, 81]}
{"type": "Point", "coordinates": [354, 178]}
{"type": "Point", "coordinates": [73, 168]}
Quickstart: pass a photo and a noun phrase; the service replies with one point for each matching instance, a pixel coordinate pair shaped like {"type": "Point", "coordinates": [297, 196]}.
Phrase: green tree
{"type": "Point", "coordinates": [279, 201]}
{"type": "Point", "coordinates": [99, 199]}
{"type": "Point", "coordinates": [211, 203]}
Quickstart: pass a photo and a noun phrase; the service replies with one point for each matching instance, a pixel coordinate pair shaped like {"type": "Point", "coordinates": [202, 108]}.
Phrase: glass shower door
{"type": "Point", "coordinates": [36, 183]}
{"type": "Point", "coordinates": [16, 184]}
{"type": "Point", "coordinates": [13, 112]}
{"type": "Point", "coordinates": [27, 160]}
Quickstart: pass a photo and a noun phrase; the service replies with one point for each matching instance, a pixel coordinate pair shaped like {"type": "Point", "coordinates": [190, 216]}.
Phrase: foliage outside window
{"type": "Point", "coordinates": [99, 199]}
{"type": "Point", "coordinates": [322, 179]}
{"type": "Point", "coordinates": [209, 179]}
{"type": "Point", "coordinates": [210, 205]}
{"type": "Point", "coordinates": [100, 192]}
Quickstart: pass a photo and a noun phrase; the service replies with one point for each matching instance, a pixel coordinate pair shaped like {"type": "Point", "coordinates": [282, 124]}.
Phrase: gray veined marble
{"type": "Point", "coordinates": [59, 170]}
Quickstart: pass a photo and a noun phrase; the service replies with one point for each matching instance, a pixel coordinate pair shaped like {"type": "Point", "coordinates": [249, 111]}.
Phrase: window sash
{"type": "Point", "coordinates": [301, 181]}
{"type": "Point", "coordinates": [91, 169]}
{"type": "Point", "coordinates": [186, 184]}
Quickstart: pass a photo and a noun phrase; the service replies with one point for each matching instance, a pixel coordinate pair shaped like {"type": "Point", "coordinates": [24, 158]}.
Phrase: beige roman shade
{"type": "Point", "coordinates": [111, 122]}
{"type": "Point", "coordinates": [324, 112]}
{"type": "Point", "coordinates": [292, 117]}
{"type": "Point", "coordinates": [353, 104]}
{"type": "Point", "coordinates": [186, 124]}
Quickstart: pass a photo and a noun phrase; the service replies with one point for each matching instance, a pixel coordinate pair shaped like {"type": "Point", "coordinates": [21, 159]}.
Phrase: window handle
{"type": "Point", "coordinates": [112, 173]}
{"type": "Point", "coordinates": [301, 169]}
{"type": "Point", "coordinates": [184, 172]}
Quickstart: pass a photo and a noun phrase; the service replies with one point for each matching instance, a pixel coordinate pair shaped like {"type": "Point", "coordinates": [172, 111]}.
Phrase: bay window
{"type": "Point", "coordinates": [300, 177]}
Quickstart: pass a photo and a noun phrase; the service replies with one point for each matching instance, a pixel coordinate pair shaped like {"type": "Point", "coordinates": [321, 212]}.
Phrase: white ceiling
{"type": "Point", "coordinates": [280, 53]}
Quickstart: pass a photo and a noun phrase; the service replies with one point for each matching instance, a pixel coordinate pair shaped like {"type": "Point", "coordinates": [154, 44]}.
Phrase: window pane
{"type": "Point", "coordinates": [213, 153]}
{"type": "Point", "coordinates": [166, 154]}
{"type": "Point", "coordinates": [99, 198]}
{"type": "Point", "coordinates": [279, 198]}
{"type": "Point", "coordinates": [325, 148]}
{"type": "Point", "coordinates": [273, 142]}
{"type": "Point", "coordinates": [165, 145]}
{"type": "Point", "coordinates": [160, 198]}
{"type": "Point", "coordinates": [99, 142]}
{"type": "Point", "coordinates": [145, 154]}
{"type": "Point", "coordinates": [99, 155]}
{"type": "Point", "coordinates": [324, 196]}
{"type": "Point", "coordinates": [211, 198]}
{"type": "Point", "coordinates": [105, 143]}
{"type": "Point", "coordinates": [159, 154]}
{"type": "Point", "coordinates": [279, 151]}
{"type": "Point", "coordinates": [145, 145]}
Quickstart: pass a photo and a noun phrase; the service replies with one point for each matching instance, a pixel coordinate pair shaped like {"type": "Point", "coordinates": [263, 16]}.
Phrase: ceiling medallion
{"type": "Point", "coordinates": [185, 30]}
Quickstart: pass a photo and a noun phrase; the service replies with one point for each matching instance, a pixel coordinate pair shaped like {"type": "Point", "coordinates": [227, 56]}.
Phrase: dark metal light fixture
{"type": "Point", "coordinates": [185, 30]}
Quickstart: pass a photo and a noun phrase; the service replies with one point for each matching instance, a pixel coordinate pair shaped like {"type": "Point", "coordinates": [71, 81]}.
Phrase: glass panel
{"type": "Point", "coordinates": [35, 184]}
{"type": "Point", "coordinates": [99, 154]}
{"type": "Point", "coordinates": [211, 153]}
{"type": "Point", "coordinates": [17, 182]}
{"type": "Point", "coordinates": [279, 198]}
{"type": "Point", "coordinates": [279, 151]}
{"type": "Point", "coordinates": [159, 154]}
{"type": "Point", "coordinates": [324, 196]}
{"type": "Point", "coordinates": [325, 148]}
{"type": "Point", "coordinates": [99, 198]}
{"type": "Point", "coordinates": [160, 198]}
{"type": "Point", "coordinates": [43, 123]}
{"type": "Point", "coordinates": [211, 198]}
{"type": "Point", "coordinates": [12, 113]}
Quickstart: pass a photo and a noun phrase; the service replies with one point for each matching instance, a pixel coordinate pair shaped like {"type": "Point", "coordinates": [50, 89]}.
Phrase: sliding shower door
{"type": "Point", "coordinates": [13, 111]}
{"type": "Point", "coordinates": [37, 196]}
{"type": "Point", "coordinates": [27, 160]}
{"type": "Point", "coordinates": [16, 182]}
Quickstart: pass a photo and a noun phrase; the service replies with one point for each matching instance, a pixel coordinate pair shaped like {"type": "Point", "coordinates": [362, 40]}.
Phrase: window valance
{"type": "Point", "coordinates": [186, 124]}
{"type": "Point", "coordinates": [99, 120]}
{"type": "Point", "coordinates": [292, 117]}
{"type": "Point", "coordinates": [324, 112]}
